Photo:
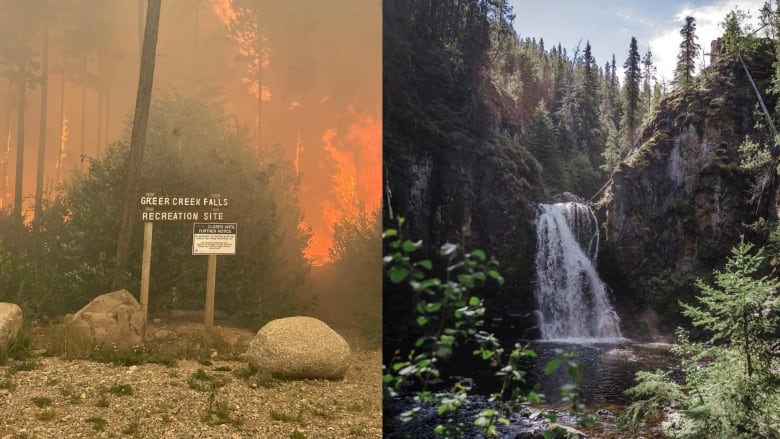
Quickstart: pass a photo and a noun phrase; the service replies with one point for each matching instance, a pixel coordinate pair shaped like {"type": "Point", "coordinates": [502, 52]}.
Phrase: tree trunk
{"type": "Point", "coordinates": [61, 148]}
{"type": "Point", "coordinates": [42, 131]}
{"type": "Point", "coordinates": [137, 144]}
{"type": "Point", "coordinates": [20, 108]}
{"type": "Point", "coordinates": [6, 147]}
{"type": "Point", "coordinates": [259, 50]}
{"type": "Point", "coordinates": [83, 152]}
{"type": "Point", "coordinates": [107, 114]}
{"type": "Point", "coordinates": [99, 124]}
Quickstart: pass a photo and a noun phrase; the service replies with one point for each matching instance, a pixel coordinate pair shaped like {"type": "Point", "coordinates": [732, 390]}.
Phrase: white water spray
{"type": "Point", "coordinates": [572, 298]}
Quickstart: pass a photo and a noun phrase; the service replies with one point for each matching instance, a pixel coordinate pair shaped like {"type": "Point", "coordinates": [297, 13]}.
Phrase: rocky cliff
{"type": "Point", "coordinates": [679, 201]}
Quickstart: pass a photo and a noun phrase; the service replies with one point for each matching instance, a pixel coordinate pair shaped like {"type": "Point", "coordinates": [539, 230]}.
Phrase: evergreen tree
{"type": "Point", "coordinates": [588, 92]}
{"type": "Point", "coordinates": [631, 96]}
{"type": "Point", "coordinates": [648, 79]}
{"type": "Point", "coordinates": [689, 49]}
{"type": "Point", "coordinates": [540, 138]}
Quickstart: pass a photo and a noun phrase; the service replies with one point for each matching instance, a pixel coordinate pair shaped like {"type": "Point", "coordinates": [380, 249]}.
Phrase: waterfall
{"type": "Point", "coordinates": [572, 298]}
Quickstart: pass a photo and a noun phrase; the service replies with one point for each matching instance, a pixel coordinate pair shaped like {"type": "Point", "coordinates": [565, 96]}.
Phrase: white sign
{"type": "Point", "coordinates": [214, 238]}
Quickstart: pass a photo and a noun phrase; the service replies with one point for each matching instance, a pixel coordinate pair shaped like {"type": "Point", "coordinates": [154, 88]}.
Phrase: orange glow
{"type": "Point", "coordinates": [356, 184]}
{"type": "Point", "coordinates": [223, 9]}
{"type": "Point", "coordinates": [63, 144]}
{"type": "Point", "coordinates": [253, 89]}
{"type": "Point", "coordinates": [367, 132]}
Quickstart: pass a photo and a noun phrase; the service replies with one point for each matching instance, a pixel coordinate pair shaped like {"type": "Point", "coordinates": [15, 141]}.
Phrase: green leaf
{"type": "Point", "coordinates": [390, 232]}
{"type": "Point", "coordinates": [422, 320]}
{"type": "Point", "coordinates": [551, 366]}
{"type": "Point", "coordinates": [397, 274]}
{"type": "Point", "coordinates": [479, 254]}
{"type": "Point", "coordinates": [427, 264]}
{"type": "Point", "coordinates": [447, 249]}
{"type": "Point", "coordinates": [432, 307]}
{"type": "Point", "coordinates": [534, 398]}
{"type": "Point", "coordinates": [467, 280]}
{"type": "Point", "coordinates": [496, 276]}
{"type": "Point", "coordinates": [474, 301]}
{"type": "Point", "coordinates": [409, 246]}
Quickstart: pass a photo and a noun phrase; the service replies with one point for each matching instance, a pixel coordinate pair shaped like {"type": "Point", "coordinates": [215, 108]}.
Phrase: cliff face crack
{"type": "Point", "coordinates": [572, 299]}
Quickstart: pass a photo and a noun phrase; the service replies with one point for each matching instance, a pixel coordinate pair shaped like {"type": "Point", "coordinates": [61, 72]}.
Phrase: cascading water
{"type": "Point", "coordinates": [572, 298]}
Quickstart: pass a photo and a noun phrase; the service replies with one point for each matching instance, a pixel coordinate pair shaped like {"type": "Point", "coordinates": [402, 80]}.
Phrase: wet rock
{"type": "Point", "coordinates": [679, 199]}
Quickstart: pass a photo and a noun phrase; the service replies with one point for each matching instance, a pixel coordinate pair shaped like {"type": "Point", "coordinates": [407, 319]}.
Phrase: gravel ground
{"type": "Point", "coordinates": [206, 397]}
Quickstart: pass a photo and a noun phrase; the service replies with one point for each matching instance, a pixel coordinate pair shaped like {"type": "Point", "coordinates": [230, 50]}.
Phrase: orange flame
{"type": "Point", "coordinates": [357, 183]}
{"type": "Point", "coordinates": [223, 9]}
{"type": "Point", "coordinates": [63, 146]}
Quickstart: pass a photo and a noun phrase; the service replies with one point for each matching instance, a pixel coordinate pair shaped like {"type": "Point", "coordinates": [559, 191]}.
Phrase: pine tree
{"type": "Point", "coordinates": [631, 96]}
{"type": "Point", "coordinates": [588, 92]}
{"type": "Point", "coordinates": [540, 138]}
{"type": "Point", "coordinates": [648, 79]}
{"type": "Point", "coordinates": [689, 49]}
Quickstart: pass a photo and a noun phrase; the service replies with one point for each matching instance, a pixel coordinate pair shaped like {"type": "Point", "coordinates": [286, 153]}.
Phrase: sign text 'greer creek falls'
{"type": "Point", "coordinates": [573, 300]}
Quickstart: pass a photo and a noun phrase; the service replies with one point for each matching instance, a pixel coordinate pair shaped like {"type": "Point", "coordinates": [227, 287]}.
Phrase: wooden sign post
{"type": "Point", "coordinates": [146, 265]}
{"type": "Point", "coordinates": [210, 239]}
{"type": "Point", "coordinates": [213, 239]}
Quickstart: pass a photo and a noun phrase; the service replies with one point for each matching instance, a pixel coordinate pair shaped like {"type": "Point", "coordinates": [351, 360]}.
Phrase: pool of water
{"type": "Point", "coordinates": [609, 368]}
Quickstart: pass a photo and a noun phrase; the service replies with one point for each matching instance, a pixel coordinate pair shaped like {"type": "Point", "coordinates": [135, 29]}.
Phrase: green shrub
{"type": "Point", "coordinates": [731, 385]}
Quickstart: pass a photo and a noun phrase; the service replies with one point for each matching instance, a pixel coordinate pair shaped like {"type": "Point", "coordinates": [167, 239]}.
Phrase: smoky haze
{"type": "Point", "coordinates": [320, 75]}
{"type": "Point", "coordinates": [322, 80]}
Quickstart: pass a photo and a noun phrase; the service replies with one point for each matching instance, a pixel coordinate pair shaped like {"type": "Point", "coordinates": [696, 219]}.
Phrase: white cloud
{"type": "Point", "coordinates": [665, 44]}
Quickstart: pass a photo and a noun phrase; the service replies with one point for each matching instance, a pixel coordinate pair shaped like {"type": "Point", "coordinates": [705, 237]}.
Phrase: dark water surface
{"type": "Point", "coordinates": [608, 368]}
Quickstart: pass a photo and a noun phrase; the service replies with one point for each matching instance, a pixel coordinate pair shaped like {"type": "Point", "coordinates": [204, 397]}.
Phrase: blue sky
{"type": "Point", "coordinates": [609, 25]}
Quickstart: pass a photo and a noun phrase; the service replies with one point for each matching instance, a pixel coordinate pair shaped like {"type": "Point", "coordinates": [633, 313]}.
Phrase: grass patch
{"type": "Point", "coordinates": [322, 411]}
{"type": "Point", "coordinates": [41, 401]}
{"type": "Point", "coordinates": [218, 413]}
{"type": "Point", "coordinates": [98, 423]}
{"type": "Point", "coordinates": [222, 369]}
{"type": "Point", "coordinates": [357, 407]}
{"type": "Point", "coordinates": [121, 390]}
{"type": "Point", "coordinates": [7, 382]}
{"type": "Point", "coordinates": [18, 348]}
{"type": "Point", "coordinates": [45, 415]}
{"type": "Point", "coordinates": [297, 435]}
{"type": "Point", "coordinates": [24, 366]}
{"type": "Point", "coordinates": [245, 372]}
{"type": "Point", "coordinates": [203, 382]}
{"type": "Point", "coordinates": [131, 429]}
{"type": "Point", "coordinates": [71, 394]}
{"type": "Point", "coordinates": [136, 356]}
{"type": "Point", "coordinates": [102, 401]}
{"type": "Point", "coordinates": [285, 417]}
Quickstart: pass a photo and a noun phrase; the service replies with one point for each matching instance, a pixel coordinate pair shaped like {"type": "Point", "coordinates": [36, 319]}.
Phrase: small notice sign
{"type": "Point", "coordinates": [214, 238]}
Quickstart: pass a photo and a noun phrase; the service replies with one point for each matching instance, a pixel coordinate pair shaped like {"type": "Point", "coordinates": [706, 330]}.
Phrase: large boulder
{"type": "Point", "coordinates": [10, 324]}
{"type": "Point", "coordinates": [299, 348]}
{"type": "Point", "coordinates": [110, 321]}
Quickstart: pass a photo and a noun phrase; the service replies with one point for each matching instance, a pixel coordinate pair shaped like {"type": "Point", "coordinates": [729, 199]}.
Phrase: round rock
{"type": "Point", "coordinates": [299, 348]}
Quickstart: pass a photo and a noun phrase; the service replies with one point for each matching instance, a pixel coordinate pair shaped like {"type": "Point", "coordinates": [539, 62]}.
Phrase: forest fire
{"type": "Point", "coordinates": [356, 184]}
{"type": "Point", "coordinates": [271, 68]}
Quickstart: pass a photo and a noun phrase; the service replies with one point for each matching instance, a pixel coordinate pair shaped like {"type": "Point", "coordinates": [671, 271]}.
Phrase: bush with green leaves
{"type": "Point", "coordinates": [450, 315]}
{"type": "Point", "coordinates": [731, 386]}
{"type": "Point", "coordinates": [192, 149]}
